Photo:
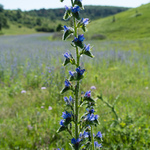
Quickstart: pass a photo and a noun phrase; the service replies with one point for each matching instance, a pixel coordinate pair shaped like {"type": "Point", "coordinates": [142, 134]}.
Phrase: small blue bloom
{"type": "Point", "coordinates": [74, 141]}
{"type": "Point", "coordinates": [90, 117]}
{"type": "Point", "coordinates": [62, 122]}
{"type": "Point", "coordinates": [97, 145]}
{"type": "Point", "coordinates": [66, 28]}
{"type": "Point", "coordinates": [85, 21]}
{"type": "Point", "coordinates": [68, 101]}
{"type": "Point", "coordinates": [81, 38]}
{"type": "Point", "coordinates": [75, 39]}
{"type": "Point", "coordinates": [66, 7]}
{"type": "Point", "coordinates": [67, 55]}
{"type": "Point", "coordinates": [90, 110]}
{"type": "Point", "coordinates": [67, 83]}
{"type": "Point", "coordinates": [60, 149]}
{"type": "Point", "coordinates": [75, 9]}
{"type": "Point", "coordinates": [80, 71]}
{"type": "Point", "coordinates": [87, 47]}
{"type": "Point", "coordinates": [84, 135]}
{"type": "Point", "coordinates": [96, 117]}
{"type": "Point", "coordinates": [99, 134]}
{"type": "Point", "coordinates": [66, 115]}
{"type": "Point", "coordinates": [87, 94]}
{"type": "Point", "coordinates": [71, 73]}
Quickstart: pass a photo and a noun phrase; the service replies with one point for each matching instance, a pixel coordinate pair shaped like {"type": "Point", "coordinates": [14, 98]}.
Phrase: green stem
{"type": "Point", "coordinates": [92, 138]}
{"type": "Point", "coordinates": [76, 88]}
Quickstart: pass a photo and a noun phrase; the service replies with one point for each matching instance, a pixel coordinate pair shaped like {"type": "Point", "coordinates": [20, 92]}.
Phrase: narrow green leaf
{"type": "Point", "coordinates": [62, 128]}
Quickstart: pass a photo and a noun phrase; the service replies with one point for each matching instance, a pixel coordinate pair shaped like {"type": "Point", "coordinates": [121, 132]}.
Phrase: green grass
{"type": "Point", "coordinates": [131, 24]}
{"type": "Point", "coordinates": [15, 30]}
{"type": "Point", "coordinates": [119, 68]}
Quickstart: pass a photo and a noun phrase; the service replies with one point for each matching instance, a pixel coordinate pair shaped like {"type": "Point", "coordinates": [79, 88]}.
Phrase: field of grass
{"type": "Point", "coordinates": [131, 24]}
{"type": "Point", "coordinates": [121, 68]}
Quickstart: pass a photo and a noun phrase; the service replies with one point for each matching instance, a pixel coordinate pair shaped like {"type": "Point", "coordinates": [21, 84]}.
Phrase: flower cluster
{"type": "Point", "coordinates": [83, 137]}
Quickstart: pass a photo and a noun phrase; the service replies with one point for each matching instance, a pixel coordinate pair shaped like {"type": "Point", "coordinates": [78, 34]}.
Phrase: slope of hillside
{"type": "Point", "coordinates": [131, 24]}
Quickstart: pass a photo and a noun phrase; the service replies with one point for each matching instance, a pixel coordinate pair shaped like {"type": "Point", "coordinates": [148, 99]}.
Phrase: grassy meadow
{"type": "Point", "coordinates": [30, 114]}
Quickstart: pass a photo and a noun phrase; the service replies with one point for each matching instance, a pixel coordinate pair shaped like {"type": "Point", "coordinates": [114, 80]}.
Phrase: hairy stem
{"type": "Point", "coordinates": [92, 137]}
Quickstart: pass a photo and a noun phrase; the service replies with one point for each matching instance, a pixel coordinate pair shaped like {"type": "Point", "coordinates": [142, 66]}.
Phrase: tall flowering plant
{"type": "Point", "coordinates": [80, 129]}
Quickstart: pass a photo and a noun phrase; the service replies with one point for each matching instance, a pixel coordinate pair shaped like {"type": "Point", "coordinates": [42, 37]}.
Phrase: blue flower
{"type": "Point", "coordinates": [97, 145]}
{"type": "Point", "coordinates": [90, 117]}
{"type": "Point", "coordinates": [66, 7]}
{"type": "Point", "coordinates": [68, 101]}
{"type": "Point", "coordinates": [62, 122]}
{"type": "Point", "coordinates": [74, 141]}
{"type": "Point", "coordinates": [66, 28]}
{"type": "Point", "coordinates": [84, 135]}
{"type": "Point", "coordinates": [85, 21]}
{"type": "Point", "coordinates": [59, 148]}
{"type": "Point", "coordinates": [67, 55]}
{"type": "Point", "coordinates": [80, 71]}
{"type": "Point", "coordinates": [81, 38]}
{"type": "Point", "coordinates": [96, 117]}
{"type": "Point", "coordinates": [71, 73]}
{"type": "Point", "coordinates": [66, 115]}
{"type": "Point", "coordinates": [87, 94]}
{"type": "Point", "coordinates": [99, 134]}
{"type": "Point", "coordinates": [90, 110]}
{"type": "Point", "coordinates": [87, 47]}
{"type": "Point", "coordinates": [67, 83]}
{"type": "Point", "coordinates": [75, 9]}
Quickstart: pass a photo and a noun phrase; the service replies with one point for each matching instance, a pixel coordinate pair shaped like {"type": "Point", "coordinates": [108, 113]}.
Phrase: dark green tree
{"type": "Point", "coordinates": [38, 22]}
{"type": "Point", "coordinates": [59, 27]}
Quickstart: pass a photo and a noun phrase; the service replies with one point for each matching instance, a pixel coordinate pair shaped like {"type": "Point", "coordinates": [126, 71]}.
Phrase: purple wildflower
{"type": "Point", "coordinates": [68, 101]}
{"type": "Point", "coordinates": [84, 135]}
{"type": "Point", "coordinates": [67, 83]}
{"type": "Point", "coordinates": [62, 122]}
{"type": "Point", "coordinates": [74, 141]}
{"type": "Point", "coordinates": [81, 38]}
{"type": "Point", "coordinates": [49, 108]}
{"type": "Point", "coordinates": [87, 94]}
{"type": "Point", "coordinates": [75, 9]}
{"type": "Point", "coordinates": [23, 91]}
{"type": "Point", "coordinates": [99, 134]}
{"type": "Point", "coordinates": [80, 71]}
{"type": "Point", "coordinates": [66, 115]}
{"type": "Point", "coordinates": [85, 21]}
{"type": "Point", "coordinates": [66, 28]}
{"type": "Point", "coordinates": [97, 145]}
{"type": "Point", "coordinates": [87, 47]}
{"type": "Point", "coordinates": [67, 55]}
{"type": "Point", "coordinates": [93, 87]}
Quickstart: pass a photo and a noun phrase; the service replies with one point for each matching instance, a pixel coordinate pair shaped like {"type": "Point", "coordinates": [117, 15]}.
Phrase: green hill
{"type": "Point", "coordinates": [131, 24]}
{"type": "Point", "coordinates": [46, 20]}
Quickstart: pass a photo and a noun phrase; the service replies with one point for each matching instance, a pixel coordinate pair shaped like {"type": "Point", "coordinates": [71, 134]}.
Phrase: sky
{"type": "Point", "coordinates": [37, 4]}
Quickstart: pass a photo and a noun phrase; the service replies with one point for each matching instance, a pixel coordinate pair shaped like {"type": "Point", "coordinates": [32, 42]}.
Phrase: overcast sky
{"type": "Point", "coordinates": [37, 4]}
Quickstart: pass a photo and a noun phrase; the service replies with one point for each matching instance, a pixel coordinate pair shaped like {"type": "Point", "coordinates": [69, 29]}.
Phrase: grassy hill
{"type": "Point", "coordinates": [48, 20]}
{"type": "Point", "coordinates": [131, 24]}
